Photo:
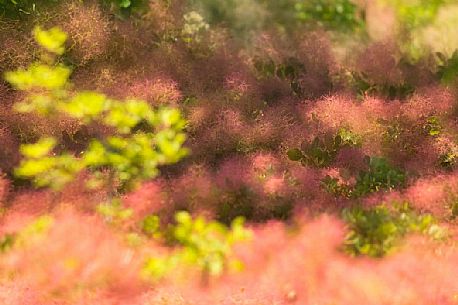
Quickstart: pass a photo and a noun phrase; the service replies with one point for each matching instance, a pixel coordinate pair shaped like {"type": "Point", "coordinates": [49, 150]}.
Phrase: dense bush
{"type": "Point", "coordinates": [379, 176]}
{"type": "Point", "coordinates": [301, 117]}
{"type": "Point", "coordinates": [321, 152]}
{"type": "Point", "coordinates": [376, 231]}
{"type": "Point", "coordinates": [205, 245]}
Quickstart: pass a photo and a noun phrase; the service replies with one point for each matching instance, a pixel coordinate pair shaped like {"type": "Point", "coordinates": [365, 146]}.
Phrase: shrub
{"type": "Point", "coordinates": [448, 159]}
{"type": "Point", "coordinates": [319, 153]}
{"type": "Point", "coordinates": [322, 151]}
{"type": "Point", "coordinates": [401, 136]}
{"type": "Point", "coordinates": [377, 231]}
{"type": "Point", "coordinates": [202, 244]}
{"type": "Point", "coordinates": [113, 212]}
{"type": "Point", "coordinates": [69, 257]}
{"type": "Point", "coordinates": [363, 86]}
{"type": "Point", "coordinates": [90, 31]}
{"type": "Point", "coordinates": [151, 226]}
{"type": "Point", "coordinates": [448, 67]}
{"type": "Point", "coordinates": [432, 126]}
{"type": "Point", "coordinates": [32, 232]}
{"type": "Point", "coordinates": [288, 70]}
{"type": "Point", "coordinates": [141, 138]}
{"type": "Point", "coordinates": [380, 175]}
{"type": "Point", "coordinates": [334, 186]}
{"type": "Point", "coordinates": [236, 202]}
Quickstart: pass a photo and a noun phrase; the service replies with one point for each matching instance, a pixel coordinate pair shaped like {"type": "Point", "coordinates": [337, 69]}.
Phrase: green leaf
{"type": "Point", "coordinates": [125, 3]}
{"type": "Point", "coordinates": [39, 149]}
{"type": "Point", "coordinates": [85, 105]}
{"type": "Point", "coordinates": [52, 40]}
{"type": "Point", "coordinates": [39, 76]}
{"type": "Point", "coordinates": [295, 154]}
{"type": "Point", "coordinates": [378, 230]}
{"type": "Point", "coordinates": [151, 225]}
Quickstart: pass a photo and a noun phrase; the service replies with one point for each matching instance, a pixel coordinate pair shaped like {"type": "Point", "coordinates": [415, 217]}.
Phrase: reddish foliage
{"type": "Point", "coordinates": [242, 120]}
{"type": "Point", "coordinates": [78, 258]}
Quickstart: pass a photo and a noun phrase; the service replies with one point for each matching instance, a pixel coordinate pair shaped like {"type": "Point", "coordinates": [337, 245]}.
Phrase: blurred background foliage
{"type": "Point", "coordinates": [377, 231]}
{"type": "Point", "coordinates": [421, 27]}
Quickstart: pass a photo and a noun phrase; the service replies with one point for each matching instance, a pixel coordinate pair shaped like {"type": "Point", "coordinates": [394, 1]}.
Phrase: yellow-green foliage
{"type": "Point", "coordinates": [52, 40]}
{"type": "Point", "coordinates": [377, 231]}
{"type": "Point", "coordinates": [341, 15]}
{"type": "Point", "coordinates": [207, 245]}
{"type": "Point", "coordinates": [426, 25]}
{"type": "Point", "coordinates": [415, 13]}
{"type": "Point", "coordinates": [33, 232]}
{"type": "Point", "coordinates": [113, 212]}
{"type": "Point", "coordinates": [130, 153]}
{"type": "Point", "coordinates": [45, 168]}
{"type": "Point", "coordinates": [151, 226]}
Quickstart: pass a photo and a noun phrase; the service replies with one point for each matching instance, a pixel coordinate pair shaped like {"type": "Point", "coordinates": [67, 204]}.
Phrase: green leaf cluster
{"type": "Point", "coordinates": [141, 138]}
{"type": "Point", "coordinates": [380, 175]}
{"type": "Point", "coordinates": [151, 226]}
{"type": "Point", "coordinates": [377, 231]}
{"type": "Point", "coordinates": [7, 242]}
{"type": "Point", "coordinates": [334, 186]}
{"type": "Point", "coordinates": [205, 244]}
{"type": "Point", "coordinates": [113, 212]}
{"type": "Point", "coordinates": [364, 86]}
{"type": "Point", "coordinates": [52, 40]}
{"type": "Point", "coordinates": [322, 151]}
{"type": "Point", "coordinates": [433, 126]}
{"type": "Point", "coordinates": [449, 159]}
{"type": "Point", "coordinates": [414, 14]}
{"type": "Point", "coordinates": [288, 70]}
{"type": "Point", "coordinates": [32, 232]}
{"type": "Point", "coordinates": [448, 67]}
{"type": "Point", "coordinates": [126, 5]}
{"type": "Point", "coordinates": [45, 168]}
{"type": "Point", "coordinates": [342, 15]}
